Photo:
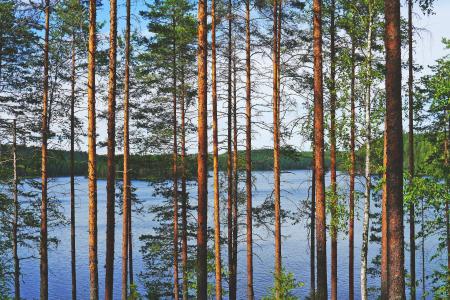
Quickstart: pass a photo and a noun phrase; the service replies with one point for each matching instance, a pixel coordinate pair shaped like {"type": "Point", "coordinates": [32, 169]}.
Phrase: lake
{"type": "Point", "coordinates": [295, 245]}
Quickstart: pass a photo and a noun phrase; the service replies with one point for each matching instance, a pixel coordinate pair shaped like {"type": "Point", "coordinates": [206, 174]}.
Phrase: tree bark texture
{"type": "Point", "coordinates": [393, 280]}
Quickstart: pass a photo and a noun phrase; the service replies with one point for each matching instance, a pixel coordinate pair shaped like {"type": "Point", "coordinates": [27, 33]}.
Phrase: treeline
{"type": "Point", "coordinates": [150, 167]}
{"type": "Point", "coordinates": [158, 167]}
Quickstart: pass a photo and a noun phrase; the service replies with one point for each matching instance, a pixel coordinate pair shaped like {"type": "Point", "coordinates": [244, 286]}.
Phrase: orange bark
{"type": "Point", "coordinates": [111, 170]}
{"type": "Point", "coordinates": [393, 279]}
{"type": "Point", "coordinates": [276, 144]}
{"type": "Point", "coordinates": [92, 176]}
{"type": "Point", "coordinates": [248, 154]}
{"type": "Point", "coordinates": [319, 155]}
{"type": "Point", "coordinates": [202, 172]}
{"type": "Point", "coordinates": [218, 262]}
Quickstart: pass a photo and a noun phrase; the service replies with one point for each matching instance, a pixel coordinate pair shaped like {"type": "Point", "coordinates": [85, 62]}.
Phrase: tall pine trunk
{"type": "Point", "coordinates": [312, 254]}
{"type": "Point", "coordinates": [174, 170]}
{"type": "Point", "coordinates": [319, 154]}
{"type": "Point", "coordinates": [126, 155]}
{"type": "Point", "coordinates": [367, 173]}
{"type": "Point", "coordinates": [72, 174]}
{"type": "Point", "coordinates": [202, 171]}
{"type": "Point", "coordinates": [111, 145]}
{"type": "Point", "coordinates": [44, 133]}
{"type": "Point", "coordinates": [276, 153]}
{"type": "Point", "coordinates": [351, 226]}
{"type": "Point", "coordinates": [248, 154]}
{"type": "Point", "coordinates": [235, 176]}
{"type": "Point", "coordinates": [92, 174]}
{"type": "Point", "coordinates": [333, 232]}
{"type": "Point", "coordinates": [412, 231]}
{"type": "Point", "coordinates": [232, 288]}
{"type": "Point", "coordinates": [392, 262]}
{"type": "Point", "coordinates": [218, 262]}
{"type": "Point", "coordinates": [183, 188]}
{"type": "Point", "coordinates": [130, 244]}
{"type": "Point", "coordinates": [15, 217]}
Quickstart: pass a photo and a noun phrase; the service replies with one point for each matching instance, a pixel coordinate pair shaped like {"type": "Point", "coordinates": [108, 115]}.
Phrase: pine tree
{"type": "Point", "coordinates": [392, 261]}
{"type": "Point", "coordinates": [92, 176]}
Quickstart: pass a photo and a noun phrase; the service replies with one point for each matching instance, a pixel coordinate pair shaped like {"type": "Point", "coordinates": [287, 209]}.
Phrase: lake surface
{"type": "Point", "coordinates": [295, 245]}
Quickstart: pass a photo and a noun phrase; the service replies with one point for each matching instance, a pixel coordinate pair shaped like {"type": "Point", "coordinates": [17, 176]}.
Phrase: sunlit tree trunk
{"type": "Point", "coordinates": [72, 175]}
{"type": "Point", "coordinates": [44, 133]}
{"type": "Point", "coordinates": [218, 261]}
{"type": "Point", "coordinates": [319, 154]}
{"type": "Point", "coordinates": [276, 145]}
{"type": "Point", "coordinates": [92, 174]}
{"type": "Point", "coordinates": [412, 231]}
{"type": "Point", "coordinates": [393, 279]}
{"type": "Point", "coordinates": [231, 287]}
{"type": "Point", "coordinates": [126, 155]}
{"type": "Point", "coordinates": [15, 217]}
{"type": "Point", "coordinates": [312, 254]}
{"type": "Point", "coordinates": [183, 188]}
{"type": "Point", "coordinates": [351, 226]}
{"type": "Point", "coordinates": [174, 170]}
{"type": "Point", "coordinates": [367, 173]}
{"type": "Point", "coordinates": [202, 272]}
{"type": "Point", "coordinates": [333, 232]}
{"type": "Point", "coordinates": [111, 178]}
{"type": "Point", "coordinates": [130, 244]}
{"type": "Point", "coordinates": [248, 154]}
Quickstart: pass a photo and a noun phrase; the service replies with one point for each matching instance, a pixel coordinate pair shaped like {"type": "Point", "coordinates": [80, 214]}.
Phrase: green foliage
{"type": "Point", "coordinates": [155, 167]}
{"type": "Point", "coordinates": [134, 294]}
{"type": "Point", "coordinates": [287, 284]}
{"type": "Point", "coordinates": [340, 207]}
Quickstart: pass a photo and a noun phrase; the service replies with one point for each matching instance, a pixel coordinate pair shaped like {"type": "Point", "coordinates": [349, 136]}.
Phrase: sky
{"type": "Point", "coordinates": [428, 47]}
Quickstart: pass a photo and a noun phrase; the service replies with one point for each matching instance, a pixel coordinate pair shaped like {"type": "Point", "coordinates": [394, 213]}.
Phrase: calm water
{"type": "Point", "coordinates": [295, 245]}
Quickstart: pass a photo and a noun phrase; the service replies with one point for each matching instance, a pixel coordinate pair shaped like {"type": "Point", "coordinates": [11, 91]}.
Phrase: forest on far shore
{"type": "Point", "coordinates": [157, 167]}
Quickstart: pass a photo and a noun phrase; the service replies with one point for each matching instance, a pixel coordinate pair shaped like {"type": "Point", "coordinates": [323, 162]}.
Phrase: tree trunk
{"type": "Point", "coordinates": [232, 288]}
{"type": "Point", "coordinates": [312, 254]}
{"type": "Point", "coordinates": [248, 154]}
{"type": "Point", "coordinates": [183, 190]}
{"type": "Point", "coordinates": [175, 172]}
{"type": "Point", "coordinates": [92, 174]}
{"type": "Point", "coordinates": [333, 232]}
{"type": "Point", "coordinates": [126, 155]}
{"type": "Point", "coordinates": [393, 280]}
{"type": "Point", "coordinates": [276, 147]}
{"type": "Point", "coordinates": [111, 173]}
{"type": "Point", "coordinates": [351, 229]}
{"type": "Point", "coordinates": [44, 133]}
{"type": "Point", "coordinates": [235, 173]}
{"type": "Point", "coordinates": [367, 173]}
{"type": "Point", "coordinates": [202, 273]}
{"type": "Point", "coordinates": [72, 175]}
{"type": "Point", "coordinates": [319, 155]}
{"type": "Point", "coordinates": [412, 234]}
{"type": "Point", "coordinates": [16, 217]}
{"type": "Point", "coordinates": [130, 243]}
{"type": "Point", "coordinates": [218, 261]}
